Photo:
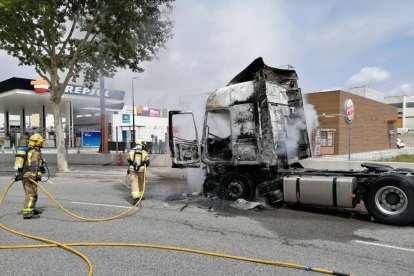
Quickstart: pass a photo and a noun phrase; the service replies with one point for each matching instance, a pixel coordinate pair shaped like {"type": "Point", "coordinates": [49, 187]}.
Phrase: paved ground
{"type": "Point", "coordinates": [103, 171]}
{"type": "Point", "coordinates": [333, 239]}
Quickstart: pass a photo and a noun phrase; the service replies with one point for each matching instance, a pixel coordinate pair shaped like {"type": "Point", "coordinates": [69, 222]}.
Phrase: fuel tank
{"type": "Point", "coordinates": [335, 191]}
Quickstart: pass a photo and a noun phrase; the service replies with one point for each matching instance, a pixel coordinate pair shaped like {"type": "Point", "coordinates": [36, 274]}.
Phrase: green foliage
{"type": "Point", "coordinates": [5, 4]}
{"type": "Point", "coordinates": [408, 158]}
{"type": "Point", "coordinates": [88, 37]}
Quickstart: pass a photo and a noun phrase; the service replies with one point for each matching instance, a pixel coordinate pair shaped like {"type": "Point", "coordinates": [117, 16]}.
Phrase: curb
{"type": "Point", "coordinates": [99, 176]}
{"type": "Point", "coordinates": [86, 174]}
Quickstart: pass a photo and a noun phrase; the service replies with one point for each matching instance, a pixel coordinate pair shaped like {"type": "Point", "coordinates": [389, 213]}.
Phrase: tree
{"type": "Point", "coordinates": [68, 39]}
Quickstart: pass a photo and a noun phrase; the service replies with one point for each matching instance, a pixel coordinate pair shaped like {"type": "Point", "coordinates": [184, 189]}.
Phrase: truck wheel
{"type": "Point", "coordinates": [390, 199]}
{"type": "Point", "coordinates": [236, 185]}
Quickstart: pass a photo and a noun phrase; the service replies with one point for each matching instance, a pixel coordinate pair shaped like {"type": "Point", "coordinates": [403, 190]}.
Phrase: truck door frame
{"type": "Point", "coordinates": [188, 147]}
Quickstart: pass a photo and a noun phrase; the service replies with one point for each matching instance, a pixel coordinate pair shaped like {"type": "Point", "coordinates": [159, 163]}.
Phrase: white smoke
{"type": "Point", "coordinates": [311, 117]}
{"type": "Point", "coordinates": [308, 119]}
{"type": "Point", "coordinates": [293, 135]}
{"type": "Point", "coordinates": [195, 179]}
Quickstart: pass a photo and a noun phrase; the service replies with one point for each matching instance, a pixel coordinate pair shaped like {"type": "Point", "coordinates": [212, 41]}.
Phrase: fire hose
{"type": "Point", "coordinates": [69, 246]}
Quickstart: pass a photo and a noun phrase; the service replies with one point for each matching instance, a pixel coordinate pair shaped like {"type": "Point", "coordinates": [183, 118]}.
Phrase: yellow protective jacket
{"type": "Point", "coordinates": [33, 165]}
{"type": "Point", "coordinates": [137, 158]}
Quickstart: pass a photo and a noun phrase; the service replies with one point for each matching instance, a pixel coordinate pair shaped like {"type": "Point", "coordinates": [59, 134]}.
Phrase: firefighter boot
{"type": "Point", "coordinates": [141, 195]}
{"type": "Point", "coordinates": [31, 215]}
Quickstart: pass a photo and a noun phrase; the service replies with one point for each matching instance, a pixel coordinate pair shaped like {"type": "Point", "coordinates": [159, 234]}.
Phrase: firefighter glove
{"type": "Point", "coordinates": [147, 162]}
{"type": "Point", "coordinates": [18, 177]}
{"type": "Point", "coordinates": [42, 169]}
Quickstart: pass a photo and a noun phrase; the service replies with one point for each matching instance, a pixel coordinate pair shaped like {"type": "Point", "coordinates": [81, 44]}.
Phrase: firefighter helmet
{"type": "Point", "coordinates": [36, 140]}
{"type": "Point", "coordinates": [140, 142]}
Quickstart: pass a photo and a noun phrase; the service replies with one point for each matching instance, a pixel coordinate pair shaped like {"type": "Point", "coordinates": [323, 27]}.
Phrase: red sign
{"type": "Point", "coordinates": [349, 110]}
{"type": "Point", "coordinates": [154, 112]}
{"type": "Point", "coordinates": [40, 85]}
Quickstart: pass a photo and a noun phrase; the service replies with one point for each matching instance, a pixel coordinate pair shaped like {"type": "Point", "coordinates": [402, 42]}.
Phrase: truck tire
{"type": "Point", "coordinates": [235, 185]}
{"type": "Point", "coordinates": [390, 199]}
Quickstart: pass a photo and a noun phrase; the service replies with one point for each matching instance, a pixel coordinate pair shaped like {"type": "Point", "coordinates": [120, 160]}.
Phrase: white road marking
{"type": "Point", "coordinates": [97, 204]}
{"type": "Point", "coordinates": [387, 246]}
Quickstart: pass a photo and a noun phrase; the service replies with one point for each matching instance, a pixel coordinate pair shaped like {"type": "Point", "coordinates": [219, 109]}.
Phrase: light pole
{"type": "Point", "coordinates": [133, 113]}
{"type": "Point", "coordinates": [104, 126]}
{"type": "Point", "coordinates": [349, 129]}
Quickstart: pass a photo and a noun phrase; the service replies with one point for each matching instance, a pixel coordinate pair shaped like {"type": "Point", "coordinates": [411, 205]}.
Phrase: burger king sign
{"type": "Point", "coordinates": [40, 85]}
{"type": "Point", "coordinates": [349, 111]}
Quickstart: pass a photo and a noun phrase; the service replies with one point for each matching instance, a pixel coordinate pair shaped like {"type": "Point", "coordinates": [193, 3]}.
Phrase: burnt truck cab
{"type": "Point", "coordinates": [252, 127]}
{"type": "Point", "coordinates": [253, 135]}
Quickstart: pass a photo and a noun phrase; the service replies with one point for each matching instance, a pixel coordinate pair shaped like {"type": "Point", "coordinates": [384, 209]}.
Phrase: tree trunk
{"type": "Point", "coordinates": [62, 162]}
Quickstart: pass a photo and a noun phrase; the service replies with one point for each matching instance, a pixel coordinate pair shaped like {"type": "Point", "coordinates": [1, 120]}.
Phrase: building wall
{"type": "Point", "coordinates": [368, 93]}
{"type": "Point", "coordinates": [369, 130]}
{"type": "Point", "coordinates": [145, 127]}
{"type": "Point", "coordinates": [405, 105]}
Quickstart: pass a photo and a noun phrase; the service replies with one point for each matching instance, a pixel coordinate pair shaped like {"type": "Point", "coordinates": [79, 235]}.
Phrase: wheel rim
{"type": "Point", "coordinates": [391, 200]}
{"type": "Point", "coordinates": [235, 189]}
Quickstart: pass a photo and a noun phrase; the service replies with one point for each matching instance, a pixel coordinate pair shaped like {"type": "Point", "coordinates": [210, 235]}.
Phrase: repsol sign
{"type": "Point", "coordinates": [93, 92]}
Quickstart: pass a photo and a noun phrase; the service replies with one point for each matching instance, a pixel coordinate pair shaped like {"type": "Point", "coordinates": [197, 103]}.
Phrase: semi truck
{"type": "Point", "coordinates": [253, 138]}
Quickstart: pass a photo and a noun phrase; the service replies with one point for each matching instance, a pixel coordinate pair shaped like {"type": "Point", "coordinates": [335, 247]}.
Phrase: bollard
{"type": "Point", "coordinates": [119, 159]}
{"type": "Point", "coordinates": [2, 152]}
{"type": "Point", "coordinates": [13, 149]}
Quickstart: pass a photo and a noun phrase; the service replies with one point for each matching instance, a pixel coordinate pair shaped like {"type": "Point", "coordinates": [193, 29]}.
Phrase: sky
{"type": "Point", "coordinates": [332, 44]}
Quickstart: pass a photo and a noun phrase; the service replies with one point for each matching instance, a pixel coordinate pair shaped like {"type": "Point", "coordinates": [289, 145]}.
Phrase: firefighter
{"type": "Point", "coordinates": [137, 159]}
{"type": "Point", "coordinates": [32, 169]}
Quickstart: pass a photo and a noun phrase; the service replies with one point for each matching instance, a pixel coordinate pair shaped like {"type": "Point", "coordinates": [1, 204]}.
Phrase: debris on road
{"type": "Point", "coordinates": [247, 205]}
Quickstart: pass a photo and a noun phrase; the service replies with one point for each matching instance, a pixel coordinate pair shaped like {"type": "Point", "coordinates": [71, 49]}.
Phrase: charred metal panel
{"type": "Point", "coordinates": [229, 95]}
{"type": "Point", "coordinates": [282, 88]}
{"type": "Point", "coordinates": [276, 94]}
{"type": "Point", "coordinates": [267, 122]}
{"type": "Point", "coordinates": [244, 133]}
{"type": "Point", "coordinates": [185, 151]}
{"type": "Point", "coordinates": [243, 124]}
{"type": "Point", "coordinates": [279, 116]}
{"type": "Point", "coordinates": [258, 70]}
{"type": "Point", "coordinates": [267, 136]}
{"type": "Point", "coordinates": [279, 120]}
{"type": "Point", "coordinates": [245, 151]}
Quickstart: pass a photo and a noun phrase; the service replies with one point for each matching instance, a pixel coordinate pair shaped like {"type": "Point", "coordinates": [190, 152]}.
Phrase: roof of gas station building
{"type": "Point", "coordinates": [17, 94]}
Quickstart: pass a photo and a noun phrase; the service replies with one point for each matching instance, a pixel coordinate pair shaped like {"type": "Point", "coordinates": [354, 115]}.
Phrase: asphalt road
{"type": "Point", "coordinates": [342, 241]}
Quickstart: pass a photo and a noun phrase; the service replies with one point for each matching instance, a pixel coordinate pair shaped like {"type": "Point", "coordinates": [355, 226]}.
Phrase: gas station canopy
{"type": "Point", "coordinates": [17, 94]}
